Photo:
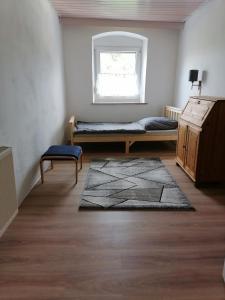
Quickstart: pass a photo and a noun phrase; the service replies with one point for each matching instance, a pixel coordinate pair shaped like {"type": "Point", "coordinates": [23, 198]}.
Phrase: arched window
{"type": "Point", "coordinates": [119, 62]}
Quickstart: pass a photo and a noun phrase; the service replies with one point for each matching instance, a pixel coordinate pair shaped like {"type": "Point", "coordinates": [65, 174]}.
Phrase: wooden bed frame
{"type": "Point", "coordinates": [129, 139]}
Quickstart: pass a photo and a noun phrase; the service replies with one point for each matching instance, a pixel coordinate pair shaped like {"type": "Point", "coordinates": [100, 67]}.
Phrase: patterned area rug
{"type": "Point", "coordinates": [131, 183]}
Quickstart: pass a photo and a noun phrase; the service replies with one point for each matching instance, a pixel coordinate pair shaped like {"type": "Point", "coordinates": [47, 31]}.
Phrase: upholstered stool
{"type": "Point", "coordinates": [63, 153]}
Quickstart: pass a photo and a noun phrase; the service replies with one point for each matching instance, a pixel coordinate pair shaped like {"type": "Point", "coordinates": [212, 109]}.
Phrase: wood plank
{"type": "Point", "coordinates": [53, 251]}
{"type": "Point", "coordinates": [163, 10]}
{"type": "Point", "coordinates": [192, 151]}
{"type": "Point", "coordinates": [181, 143]}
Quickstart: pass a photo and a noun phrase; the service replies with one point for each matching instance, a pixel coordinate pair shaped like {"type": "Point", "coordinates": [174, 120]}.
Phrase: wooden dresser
{"type": "Point", "coordinates": [201, 140]}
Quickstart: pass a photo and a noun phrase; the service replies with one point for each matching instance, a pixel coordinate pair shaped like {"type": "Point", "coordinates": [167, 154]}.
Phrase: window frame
{"type": "Point", "coordinates": [97, 99]}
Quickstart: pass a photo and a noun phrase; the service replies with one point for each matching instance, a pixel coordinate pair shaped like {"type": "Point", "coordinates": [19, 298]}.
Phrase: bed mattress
{"type": "Point", "coordinates": [108, 128]}
{"type": "Point", "coordinates": [154, 125]}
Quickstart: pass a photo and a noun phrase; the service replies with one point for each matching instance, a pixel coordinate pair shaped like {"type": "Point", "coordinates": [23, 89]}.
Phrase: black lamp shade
{"type": "Point", "coordinates": [193, 75]}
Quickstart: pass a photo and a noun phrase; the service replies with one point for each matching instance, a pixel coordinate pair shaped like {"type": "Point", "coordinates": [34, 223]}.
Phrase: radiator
{"type": "Point", "coordinates": [8, 202]}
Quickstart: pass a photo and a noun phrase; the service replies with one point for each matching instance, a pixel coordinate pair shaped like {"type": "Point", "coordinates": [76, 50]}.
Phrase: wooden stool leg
{"type": "Point", "coordinates": [76, 172]}
{"type": "Point", "coordinates": [51, 164]}
{"type": "Point", "coordinates": [81, 161]}
{"type": "Point", "coordinates": [42, 172]}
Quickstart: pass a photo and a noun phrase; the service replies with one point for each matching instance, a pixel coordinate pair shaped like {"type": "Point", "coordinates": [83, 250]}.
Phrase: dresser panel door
{"type": "Point", "coordinates": [192, 151]}
{"type": "Point", "coordinates": [181, 143]}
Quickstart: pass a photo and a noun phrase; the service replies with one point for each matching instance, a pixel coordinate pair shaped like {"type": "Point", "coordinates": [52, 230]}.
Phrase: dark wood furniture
{"type": "Point", "coordinates": [201, 139]}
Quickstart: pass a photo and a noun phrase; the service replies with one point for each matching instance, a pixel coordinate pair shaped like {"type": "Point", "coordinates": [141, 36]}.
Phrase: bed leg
{"type": "Point", "coordinates": [127, 144]}
{"type": "Point", "coordinates": [76, 171]}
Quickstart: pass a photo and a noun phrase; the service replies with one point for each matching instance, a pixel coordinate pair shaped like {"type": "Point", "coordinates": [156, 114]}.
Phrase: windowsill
{"type": "Point", "coordinates": [119, 103]}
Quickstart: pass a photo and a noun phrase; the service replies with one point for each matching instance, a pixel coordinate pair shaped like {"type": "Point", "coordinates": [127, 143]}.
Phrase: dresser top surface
{"type": "Point", "coordinates": [209, 98]}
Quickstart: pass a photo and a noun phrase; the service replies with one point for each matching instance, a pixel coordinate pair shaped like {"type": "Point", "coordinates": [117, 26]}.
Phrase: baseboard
{"type": "Point", "coordinates": [33, 185]}
{"type": "Point", "coordinates": [2, 231]}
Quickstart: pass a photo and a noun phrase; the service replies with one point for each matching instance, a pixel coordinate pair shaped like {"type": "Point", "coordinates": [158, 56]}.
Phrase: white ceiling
{"type": "Point", "coordinates": [138, 10]}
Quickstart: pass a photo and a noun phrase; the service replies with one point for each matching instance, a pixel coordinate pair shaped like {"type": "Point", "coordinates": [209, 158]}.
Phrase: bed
{"type": "Point", "coordinates": [129, 133]}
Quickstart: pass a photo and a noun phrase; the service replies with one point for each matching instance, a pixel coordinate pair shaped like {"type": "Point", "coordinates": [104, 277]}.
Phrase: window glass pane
{"type": "Point", "coordinates": [118, 62]}
{"type": "Point", "coordinates": [117, 85]}
{"type": "Point", "coordinates": [117, 76]}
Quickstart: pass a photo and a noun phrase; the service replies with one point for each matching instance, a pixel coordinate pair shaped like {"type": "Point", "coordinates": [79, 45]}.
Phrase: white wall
{"type": "Point", "coordinates": [202, 46]}
{"type": "Point", "coordinates": [161, 67]}
{"type": "Point", "coordinates": [32, 111]}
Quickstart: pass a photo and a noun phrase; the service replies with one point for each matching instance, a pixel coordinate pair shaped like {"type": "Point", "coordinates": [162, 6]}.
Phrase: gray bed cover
{"type": "Point", "coordinates": [141, 126]}
{"type": "Point", "coordinates": [100, 128]}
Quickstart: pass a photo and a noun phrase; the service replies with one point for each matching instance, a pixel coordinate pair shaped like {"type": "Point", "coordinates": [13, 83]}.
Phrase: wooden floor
{"type": "Point", "coordinates": [52, 251]}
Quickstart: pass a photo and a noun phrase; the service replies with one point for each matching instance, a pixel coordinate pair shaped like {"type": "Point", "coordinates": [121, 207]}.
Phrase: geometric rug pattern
{"type": "Point", "coordinates": [131, 183]}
